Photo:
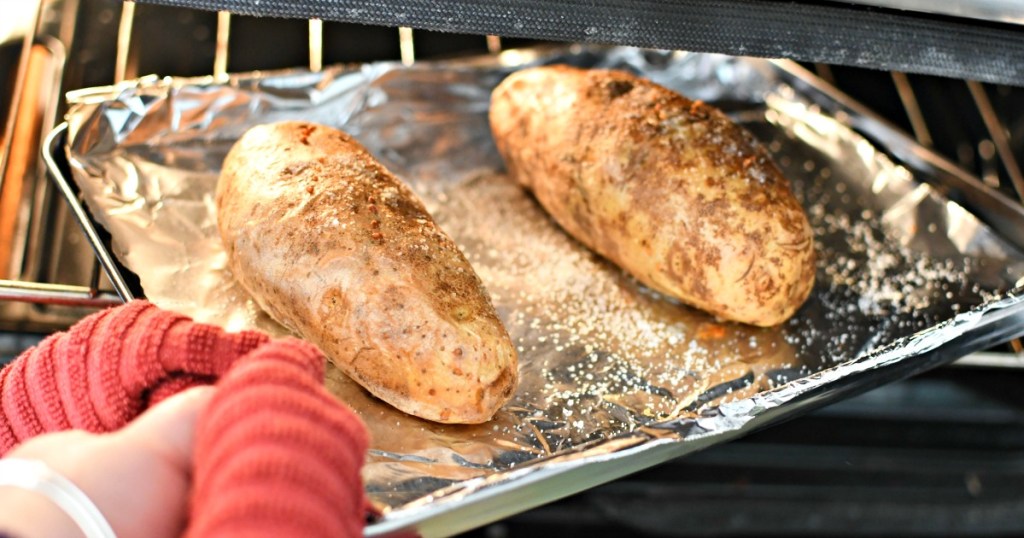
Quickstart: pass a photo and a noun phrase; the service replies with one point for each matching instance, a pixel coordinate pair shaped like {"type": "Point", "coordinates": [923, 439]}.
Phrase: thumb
{"type": "Point", "coordinates": [168, 428]}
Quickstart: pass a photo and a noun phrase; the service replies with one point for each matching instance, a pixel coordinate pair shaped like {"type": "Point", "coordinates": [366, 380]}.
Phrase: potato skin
{"type": "Point", "coordinates": [668, 189]}
{"type": "Point", "coordinates": [339, 250]}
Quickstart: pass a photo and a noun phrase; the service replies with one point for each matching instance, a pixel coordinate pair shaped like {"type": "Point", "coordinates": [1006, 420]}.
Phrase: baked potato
{"type": "Point", "coordinates": [669, 189]}
{"type": "Point", "coordinates": [340, 251]}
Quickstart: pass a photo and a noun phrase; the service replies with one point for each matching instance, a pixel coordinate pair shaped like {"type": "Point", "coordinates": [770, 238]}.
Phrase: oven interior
{"type": "Point", "coordinates": [935, 454]}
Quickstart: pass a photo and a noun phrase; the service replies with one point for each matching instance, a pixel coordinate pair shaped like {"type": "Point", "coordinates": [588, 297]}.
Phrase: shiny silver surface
{"type": "Point", "coordinates": [615, 377]}
{"type": "Point", "coordinates": [95, 297]}
{"type": "Point", "coordinates": [13, 290]}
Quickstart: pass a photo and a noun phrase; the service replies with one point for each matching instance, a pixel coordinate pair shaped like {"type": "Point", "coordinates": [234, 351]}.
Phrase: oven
{"type": "Point", "coordinates": [935, 454]}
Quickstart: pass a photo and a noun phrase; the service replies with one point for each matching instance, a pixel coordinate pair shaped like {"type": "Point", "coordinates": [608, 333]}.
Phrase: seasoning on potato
{"type": "Point", "coordinates": [667, 188]}
{"type": "Point", "coordinates": [339, 250]}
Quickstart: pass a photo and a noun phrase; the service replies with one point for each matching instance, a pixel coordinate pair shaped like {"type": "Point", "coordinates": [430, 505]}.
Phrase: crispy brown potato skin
{"type": "Point", "coordinates": [335, 247]}
{"type": "Point", "coordinates": [668, 189]}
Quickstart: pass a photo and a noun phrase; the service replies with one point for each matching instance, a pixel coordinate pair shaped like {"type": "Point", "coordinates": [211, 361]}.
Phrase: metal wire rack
{"type": "Point", "coordinates": [996, 148]}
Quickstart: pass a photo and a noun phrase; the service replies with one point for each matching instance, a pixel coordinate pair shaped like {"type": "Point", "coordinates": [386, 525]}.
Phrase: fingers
{"type": "Point", "coordinates": [168, 428]}
{"type": "Point", "coordinates": [138, 477]}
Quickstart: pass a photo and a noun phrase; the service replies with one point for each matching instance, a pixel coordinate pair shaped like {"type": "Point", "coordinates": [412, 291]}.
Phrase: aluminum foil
{"type": "Point", "coordinates": [611, 371]}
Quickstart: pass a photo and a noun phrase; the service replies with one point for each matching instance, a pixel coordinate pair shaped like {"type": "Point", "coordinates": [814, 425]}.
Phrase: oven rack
{"type": "Point", "coordinates": [125, 67]}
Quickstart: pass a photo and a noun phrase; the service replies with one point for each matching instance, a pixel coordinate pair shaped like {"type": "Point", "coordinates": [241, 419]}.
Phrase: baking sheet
{"type": "Point", "coordinates": [615, 377]}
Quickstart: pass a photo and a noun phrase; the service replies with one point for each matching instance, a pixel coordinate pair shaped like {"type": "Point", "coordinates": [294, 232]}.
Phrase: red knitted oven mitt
{"type": "Point", "coordinates": [275, 455]}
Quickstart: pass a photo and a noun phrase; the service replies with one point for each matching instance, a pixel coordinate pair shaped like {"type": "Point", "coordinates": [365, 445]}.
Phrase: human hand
{"type": "Point", "coordinates": [139, 477]}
